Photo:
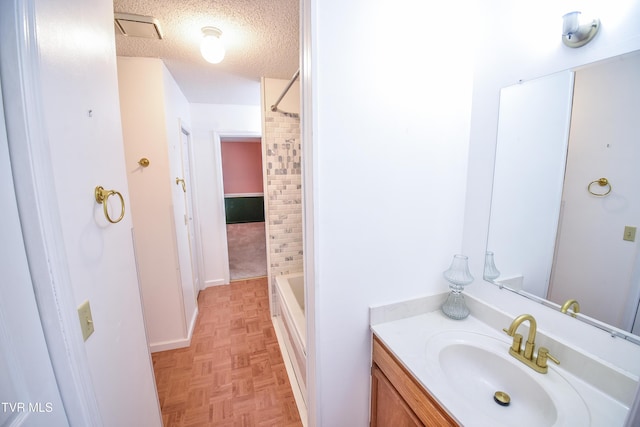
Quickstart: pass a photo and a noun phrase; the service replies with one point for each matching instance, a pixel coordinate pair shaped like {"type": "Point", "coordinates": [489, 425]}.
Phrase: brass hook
{"type": "Point", "coordinates": [102, 196]}
{"type": "Point", "coordinates": [181, 181]}
{"type": "Point", "coordinates": [602, 182]}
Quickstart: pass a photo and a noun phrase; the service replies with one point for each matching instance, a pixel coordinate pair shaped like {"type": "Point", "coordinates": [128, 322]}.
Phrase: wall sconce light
{"type": "Point", "coordinates": [211, 47]}
{"type": "Point", "coordinates": [575, 33]}
{"type": "Point", "coordinates": [458, 276]}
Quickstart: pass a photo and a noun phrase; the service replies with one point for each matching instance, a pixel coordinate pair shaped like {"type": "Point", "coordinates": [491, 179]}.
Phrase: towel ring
{"type": "Point", "coordinates": [102, 196]}
{"type": "Point", "coordinates": [602, 182]}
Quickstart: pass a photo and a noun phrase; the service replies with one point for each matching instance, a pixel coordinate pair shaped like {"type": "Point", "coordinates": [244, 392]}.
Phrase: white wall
{"type": "Point", "coordinates": [391, 109]}
{"type": "Point", "coordinates": [272, 89]}
{"type": "Point", "coordinates": [79, 88]}
{"type": "Point", "coordinates": [208, 122]}
{"type": "Point", "coordinates": [152, 107]}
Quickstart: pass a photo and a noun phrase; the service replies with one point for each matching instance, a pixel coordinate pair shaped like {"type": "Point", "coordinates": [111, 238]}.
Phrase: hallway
{"type": "Point", "coordinates": [233, 373]}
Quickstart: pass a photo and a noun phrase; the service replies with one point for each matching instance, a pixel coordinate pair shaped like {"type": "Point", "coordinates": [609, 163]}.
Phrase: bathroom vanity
{"type": "Point", "coordinates": [397, 398]}
{"type": "Point", "coordinates": [428, 369]}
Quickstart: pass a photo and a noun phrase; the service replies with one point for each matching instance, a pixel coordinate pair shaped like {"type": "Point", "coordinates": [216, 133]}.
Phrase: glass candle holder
{"type": "Point", "coordinates": [458, 276]}
{"type": "Point", "coordinates": [491, 272]}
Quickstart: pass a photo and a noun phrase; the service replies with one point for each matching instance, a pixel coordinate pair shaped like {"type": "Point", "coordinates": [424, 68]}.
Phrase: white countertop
{"type": "Point", "coordinates": [405, 328]}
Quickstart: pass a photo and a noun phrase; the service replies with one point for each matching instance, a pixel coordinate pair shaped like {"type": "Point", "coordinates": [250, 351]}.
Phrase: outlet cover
{"type": "Point", "coordinates": [86, 321]}
{"type": "Point", "coordinates": [629, 233]}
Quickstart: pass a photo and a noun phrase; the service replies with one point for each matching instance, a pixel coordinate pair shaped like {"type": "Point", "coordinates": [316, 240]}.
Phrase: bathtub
{"type": "Point", "coordinates": [290, 319]}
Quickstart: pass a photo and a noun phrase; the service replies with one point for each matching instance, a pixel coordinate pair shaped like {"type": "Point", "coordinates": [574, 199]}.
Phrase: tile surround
{"type": "Point", "coordinates": [283, 195]}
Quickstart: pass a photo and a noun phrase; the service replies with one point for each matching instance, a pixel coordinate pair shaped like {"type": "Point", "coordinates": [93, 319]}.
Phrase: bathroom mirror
{"type": "Point", "coordinates": [557, 231]}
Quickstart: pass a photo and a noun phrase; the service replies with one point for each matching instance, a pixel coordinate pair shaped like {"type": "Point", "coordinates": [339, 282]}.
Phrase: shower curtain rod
{"type": "Point", "coordinates": [274, 107]}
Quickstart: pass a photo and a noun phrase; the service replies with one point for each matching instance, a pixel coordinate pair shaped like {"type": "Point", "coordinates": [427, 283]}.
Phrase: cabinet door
{"type": "Point", "coordinates": [388, 409]}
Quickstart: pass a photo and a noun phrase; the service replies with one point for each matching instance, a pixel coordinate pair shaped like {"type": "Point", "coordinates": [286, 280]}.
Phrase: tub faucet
{"type": "Point", "coordinates": [526, 355]}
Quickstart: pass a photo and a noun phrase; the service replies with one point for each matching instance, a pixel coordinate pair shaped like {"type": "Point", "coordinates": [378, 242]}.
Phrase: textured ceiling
{"type": "Point", "coordinates": [261, 38]}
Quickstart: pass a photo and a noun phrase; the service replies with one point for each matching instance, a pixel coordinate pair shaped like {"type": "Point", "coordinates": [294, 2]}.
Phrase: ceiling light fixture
{"type": "Point", "coordinates": [575, 33]}
{"type": "Point", "coordinates": [211, 47]}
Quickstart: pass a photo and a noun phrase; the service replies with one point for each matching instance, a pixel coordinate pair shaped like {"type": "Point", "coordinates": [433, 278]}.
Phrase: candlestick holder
{"type": "Point", "coordinates": [458, 276]}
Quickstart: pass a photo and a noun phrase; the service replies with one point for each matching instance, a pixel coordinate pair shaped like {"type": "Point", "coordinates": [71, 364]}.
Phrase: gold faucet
{"type": "Point", "coordinates": [526, 355]}
{"type": "Point", "coordinates": [568, 304]}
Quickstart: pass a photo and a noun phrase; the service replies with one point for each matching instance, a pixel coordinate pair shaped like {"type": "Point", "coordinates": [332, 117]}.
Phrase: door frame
{"type": "Point", "coordinates": [222, 224]}
{"type": "Point", "coordinates": [193, 191]}
{"type": "Point", "coordinates": [37, 206]}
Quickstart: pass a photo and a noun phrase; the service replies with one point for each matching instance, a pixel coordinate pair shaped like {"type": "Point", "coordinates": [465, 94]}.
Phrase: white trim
{"type": "Point", "coordinates": [194, 202]}
{"type": "Point", "coordinates": [217, 137]}
{"type": "Point", "coordinates": [221, 214]}
{"type": "Point", "coordinates": [179, 283]}
{"type": "Point", "coordinates": [230, 133]}
{"type": "Point", "coordinates": [217, 282]}
{"type": "Point", "coordinates": [234, 195]}
{"type": "Point", "coordinates": [170, 345]}
{"type": "Point", "coordinates": [265, 182]}
{"type": "Point", "coordinates": [174, 344]}
{"type": "Point", "coordinates": [309, 189]}
{"type": "Point", "coordinates": [37, 204]}
{"type": "Point", "coordinates": [256, 139]}
{"type": "Point", "coordinates": [192, 324]}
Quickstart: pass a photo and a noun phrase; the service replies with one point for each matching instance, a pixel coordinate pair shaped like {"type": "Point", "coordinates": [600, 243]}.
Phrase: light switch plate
{"type": "Point", "coordinates": [629, 233]}
{"type": "Point", "coordinates": [86, 321]}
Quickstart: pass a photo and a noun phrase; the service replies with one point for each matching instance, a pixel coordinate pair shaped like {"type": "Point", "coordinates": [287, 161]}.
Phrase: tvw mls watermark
{"type": "Point", "coordinates": [40, 407]}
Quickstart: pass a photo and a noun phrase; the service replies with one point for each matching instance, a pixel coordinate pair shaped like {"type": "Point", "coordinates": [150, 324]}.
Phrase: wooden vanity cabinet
{"type": "Point", "coordinates": [397, 399]}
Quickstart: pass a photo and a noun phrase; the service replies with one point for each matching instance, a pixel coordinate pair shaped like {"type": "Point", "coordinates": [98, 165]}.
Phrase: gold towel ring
{"type": "Point", "coordinates": [102, 196]}
{"type": "Point", "coordinates": [602, 182]}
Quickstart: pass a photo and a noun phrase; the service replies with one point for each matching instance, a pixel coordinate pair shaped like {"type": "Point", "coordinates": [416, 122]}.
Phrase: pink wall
{"type": "Point", "coordinates": [242, 166]}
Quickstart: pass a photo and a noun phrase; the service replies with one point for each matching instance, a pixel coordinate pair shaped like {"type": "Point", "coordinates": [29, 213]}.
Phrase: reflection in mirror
{"type": "Point", "coordinates": [556, 230]}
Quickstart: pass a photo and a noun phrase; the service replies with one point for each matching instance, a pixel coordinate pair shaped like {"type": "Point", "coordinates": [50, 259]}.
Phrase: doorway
{"type": "Point", "coordinates": [242, 178]}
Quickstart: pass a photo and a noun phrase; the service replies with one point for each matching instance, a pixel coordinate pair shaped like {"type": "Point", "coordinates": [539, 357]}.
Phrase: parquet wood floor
{"type": "Point", "coordinates": [233, 374]}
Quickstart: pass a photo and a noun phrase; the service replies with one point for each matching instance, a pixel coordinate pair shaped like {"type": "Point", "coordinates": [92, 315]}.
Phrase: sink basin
{"type": "Point", "coordinates": [472, 367]}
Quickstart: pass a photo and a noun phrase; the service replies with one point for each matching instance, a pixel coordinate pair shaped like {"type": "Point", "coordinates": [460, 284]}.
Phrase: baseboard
{"type": "Point", "coordinates": [217, 282]}
{"type": "Point", "coordinates": [175, 344]}
{"type": "Point", "coordinates": [170, 345]}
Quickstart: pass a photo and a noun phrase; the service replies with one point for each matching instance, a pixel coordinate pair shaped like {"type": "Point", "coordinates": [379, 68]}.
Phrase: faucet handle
{"type": "Point", "coordinates": [517, 340]}
{"type": "Point", "coordinates": [517, 343]}
{"type": "Point", "coordinates": [543, 355]}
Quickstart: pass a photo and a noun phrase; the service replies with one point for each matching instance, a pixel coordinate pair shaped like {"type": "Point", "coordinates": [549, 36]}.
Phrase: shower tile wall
{"type": "Point", "coordinates": [284, 192]}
